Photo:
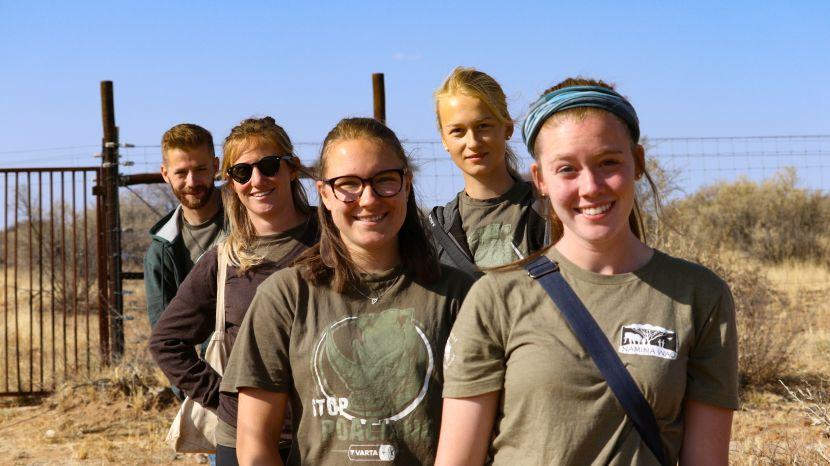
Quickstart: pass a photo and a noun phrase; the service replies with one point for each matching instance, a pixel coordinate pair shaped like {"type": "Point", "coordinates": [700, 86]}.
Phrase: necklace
{"type": "Point", "coordinates": [196, 241]}
{"type": "Point", "coordinates": [377, 297]}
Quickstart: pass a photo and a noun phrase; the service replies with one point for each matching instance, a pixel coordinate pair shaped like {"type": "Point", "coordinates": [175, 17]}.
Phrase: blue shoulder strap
{"type": "Point", "coordinates": [594, 341]}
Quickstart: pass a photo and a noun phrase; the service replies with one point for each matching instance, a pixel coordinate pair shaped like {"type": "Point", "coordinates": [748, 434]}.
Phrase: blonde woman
{"type": "Point", "coordinates": [495, 220]}
{"type": "Point", "coordinates": [270, 225]}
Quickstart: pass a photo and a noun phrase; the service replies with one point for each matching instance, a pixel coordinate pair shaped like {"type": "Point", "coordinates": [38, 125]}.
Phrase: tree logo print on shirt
{"type": "Point", "coordinates": [373, 367]}
{"type": "Point", "coordinates": [492, 245]}
{"type": "Point", "coordinates": [648, 340]}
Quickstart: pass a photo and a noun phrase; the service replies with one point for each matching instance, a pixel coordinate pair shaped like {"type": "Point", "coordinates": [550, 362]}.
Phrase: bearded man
{"type": "Point", "coordinates": [178, 240]}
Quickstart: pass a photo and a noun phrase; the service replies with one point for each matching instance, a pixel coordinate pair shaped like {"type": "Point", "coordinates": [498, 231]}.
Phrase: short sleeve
{"type": "Point", "coordinates": [259, 358]}
{"type": "Point", "coordinates": [712, 372]}
{"type": "Point", "coordinates": [474, 358]}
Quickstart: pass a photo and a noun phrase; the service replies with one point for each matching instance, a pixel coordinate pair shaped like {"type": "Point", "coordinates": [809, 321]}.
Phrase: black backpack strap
{"type": "Point", "coordinates": [583, 325]}
{"type": "Point", "coordinates": [450, 245]}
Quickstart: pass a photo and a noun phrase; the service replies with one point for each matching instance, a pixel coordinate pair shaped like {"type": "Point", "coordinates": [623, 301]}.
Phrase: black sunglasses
{"type": "Point", "coordinates": [268, 166]}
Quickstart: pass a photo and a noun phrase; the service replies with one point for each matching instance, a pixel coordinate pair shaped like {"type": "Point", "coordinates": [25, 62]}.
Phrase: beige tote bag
{"type": "Point", "coordinates": [193, 429]}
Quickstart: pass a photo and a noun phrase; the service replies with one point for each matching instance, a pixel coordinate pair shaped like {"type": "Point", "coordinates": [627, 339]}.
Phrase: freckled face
{"type": "Point", "coordinates": [474, 137]}
{"type": "Point", "coordinates": [369, 224]}
{"type": "Point", "coordinates": [587, 169]}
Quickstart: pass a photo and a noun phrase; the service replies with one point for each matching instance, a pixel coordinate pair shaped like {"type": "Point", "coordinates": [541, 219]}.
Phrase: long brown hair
{"type": "Point", "coordinates": [250, 133]}
{"type": "Point", "coordinates": [330, 260]}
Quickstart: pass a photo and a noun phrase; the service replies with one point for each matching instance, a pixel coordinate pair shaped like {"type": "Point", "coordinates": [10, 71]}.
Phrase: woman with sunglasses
{"type": "Point", "coordinates": [352, 336]}
{"type": "Point", "coordinates": [495, 220]}
{"type": "Point", "coordinates": [270, 224]}
{"type": "Point", "coordinates": [520, 383]}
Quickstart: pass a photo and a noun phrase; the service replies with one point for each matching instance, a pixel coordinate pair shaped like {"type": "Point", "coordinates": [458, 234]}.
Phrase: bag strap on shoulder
{"type": "Point", "coordinates": [451, 247]}
{"type": "Point", "coordinates": [221, 278]}
{"type": "Point", "coordinates": [594, 341]}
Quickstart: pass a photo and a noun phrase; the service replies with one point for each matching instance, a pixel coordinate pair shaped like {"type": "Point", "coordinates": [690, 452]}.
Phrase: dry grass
{"type": "Point", "coordinates": [773, 427]}
{"type": "Point", "coordinates": [115, 415]}
{"type": "Point", "coordinates": [37, 350]}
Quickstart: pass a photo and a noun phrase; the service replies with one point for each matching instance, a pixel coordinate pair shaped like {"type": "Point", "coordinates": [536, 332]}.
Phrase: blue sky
{"type": "Point", "coordinates": [691, 68]}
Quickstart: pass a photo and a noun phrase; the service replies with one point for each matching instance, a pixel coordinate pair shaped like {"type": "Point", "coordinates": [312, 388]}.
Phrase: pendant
{"type": "Point", "coordinates": [374, 300]}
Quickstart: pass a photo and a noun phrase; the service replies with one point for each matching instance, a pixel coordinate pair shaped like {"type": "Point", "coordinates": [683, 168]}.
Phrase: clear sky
{"type": "Point", "coordinates": [690, 68]}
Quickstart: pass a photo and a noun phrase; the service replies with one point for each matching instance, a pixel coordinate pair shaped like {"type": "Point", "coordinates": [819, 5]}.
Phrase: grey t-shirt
{"type": "Point", "coordinates": [198, 239]}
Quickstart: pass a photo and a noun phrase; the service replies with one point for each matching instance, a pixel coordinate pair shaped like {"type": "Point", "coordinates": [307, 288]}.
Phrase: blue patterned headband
{"type": "Point", "coordinates": [574, 97]}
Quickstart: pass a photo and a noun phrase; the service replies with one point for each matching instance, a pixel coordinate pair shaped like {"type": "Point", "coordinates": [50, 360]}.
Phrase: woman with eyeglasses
{"type": "Point", "coordinates": [496, 218]}
{"type": "Point", "coordinates": [270, 224]}
{"type": "Point", "coordinates": [352, 336]}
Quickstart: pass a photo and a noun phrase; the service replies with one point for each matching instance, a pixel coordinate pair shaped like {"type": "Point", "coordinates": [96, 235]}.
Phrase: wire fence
{"type": "Point", "coordinates": [696, 161]}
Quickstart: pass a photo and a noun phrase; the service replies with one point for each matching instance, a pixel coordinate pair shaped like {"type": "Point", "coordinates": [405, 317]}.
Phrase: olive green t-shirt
{"type": "Point", "coordinates": [490, 226]}
{"type": "Point", "coordinates": [364, 380]}
{"type": "Point", "coordinates": [672, 323]}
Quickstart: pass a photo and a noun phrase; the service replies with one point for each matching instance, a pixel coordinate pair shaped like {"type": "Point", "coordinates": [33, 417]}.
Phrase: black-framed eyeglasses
{"type": "Point", "coordinates": [268, 166]}
{"type": "Point", "coordinates": [349, 188]}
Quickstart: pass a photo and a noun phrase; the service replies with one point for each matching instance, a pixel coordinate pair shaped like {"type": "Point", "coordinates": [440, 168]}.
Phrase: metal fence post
{"type": "Point", "coordinates": [109, 168]}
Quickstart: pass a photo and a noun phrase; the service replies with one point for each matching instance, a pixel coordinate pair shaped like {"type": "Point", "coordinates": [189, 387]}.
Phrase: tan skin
{"type": "Point", "coordinates": [186, 169]}
{"type": "Point", "coordinates": [268, 199]}
{"type": "Point", "coordinates": [369, 228]}
{"type": "Point", "coordinates": [587, 168]}
{"type": "Point", "coordinates": [476, 141]}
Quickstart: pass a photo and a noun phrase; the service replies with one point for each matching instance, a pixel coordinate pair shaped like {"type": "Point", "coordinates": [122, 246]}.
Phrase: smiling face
{"type": "Point", "coordinates": [474, 137]}
{"type": "Point", "coordinates": [369, 225]}
{"type": "Point", "coordinates": [587, 169]}
{"type": "Point", "coordinates": [190, 173]}
{"type": "Point", "coordinates": [267, 199]}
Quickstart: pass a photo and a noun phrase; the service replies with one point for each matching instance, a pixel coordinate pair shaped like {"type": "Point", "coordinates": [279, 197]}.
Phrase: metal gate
{"type": "Point", "coordinates": [55, 320]}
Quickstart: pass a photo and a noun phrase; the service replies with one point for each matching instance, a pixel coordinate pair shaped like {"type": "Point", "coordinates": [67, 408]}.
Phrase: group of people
{"type": "Point", "coordinates": [364, 330]}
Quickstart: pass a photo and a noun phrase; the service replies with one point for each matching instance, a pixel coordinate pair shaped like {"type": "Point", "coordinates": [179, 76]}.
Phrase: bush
{"type": "Point", "coordinates": [771, 221]}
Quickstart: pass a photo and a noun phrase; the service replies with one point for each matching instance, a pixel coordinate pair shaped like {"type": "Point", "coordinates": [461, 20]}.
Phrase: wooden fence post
{"type": "Point", "coordinates": [379, 94]}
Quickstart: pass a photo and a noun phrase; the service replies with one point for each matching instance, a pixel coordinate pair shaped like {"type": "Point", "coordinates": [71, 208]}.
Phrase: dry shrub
{"type": "Point", "coordinates": [771, 221]}
{"type": "Point", "coordinates": [814, 402]}
{"type": "Point", "coordinates": [135, 381]}
{"type": "Point", "coordinates": [789, 451]}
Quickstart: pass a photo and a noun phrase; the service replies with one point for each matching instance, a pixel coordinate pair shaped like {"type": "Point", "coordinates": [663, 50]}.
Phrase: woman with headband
{"type": "Point", "coordinates": [270, 223]}
{"type": "Point", "coordinates": [491, 222]}
{"type": "Point", "coordinates": [604, 351]}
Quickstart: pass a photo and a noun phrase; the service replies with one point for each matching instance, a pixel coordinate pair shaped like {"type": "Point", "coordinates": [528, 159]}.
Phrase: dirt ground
{"type": "Point", "coordinates": [121, 414]}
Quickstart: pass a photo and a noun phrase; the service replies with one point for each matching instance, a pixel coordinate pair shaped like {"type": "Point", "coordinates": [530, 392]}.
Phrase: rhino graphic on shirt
{"type": "Point", "coordinates": [377, 361]}
{"type": "Point", "coordinates": [491, 245]}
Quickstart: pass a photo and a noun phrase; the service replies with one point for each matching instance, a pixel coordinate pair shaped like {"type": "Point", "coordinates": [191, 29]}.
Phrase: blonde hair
{"type": "Point", "coordinates": [480, 85]}
{"type": "Point", "coordinates": [250, 133]}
